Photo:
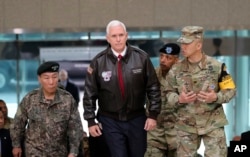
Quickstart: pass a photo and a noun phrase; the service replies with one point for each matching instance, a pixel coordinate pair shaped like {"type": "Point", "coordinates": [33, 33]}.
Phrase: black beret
{"type": "Point", "coordinates": [170, 49]}
{"type": "Point", "coordinates": [48, 67]}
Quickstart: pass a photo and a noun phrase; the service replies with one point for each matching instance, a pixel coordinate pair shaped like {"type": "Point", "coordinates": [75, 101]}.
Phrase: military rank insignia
{"type": "Point", "coordinates": [225, 80]}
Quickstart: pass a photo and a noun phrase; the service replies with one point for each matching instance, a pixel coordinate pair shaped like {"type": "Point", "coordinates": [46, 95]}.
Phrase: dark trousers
{"type": "Point", "coordinates": [98, 147]}
{"type": "Point", "coordinates": [125, 138]}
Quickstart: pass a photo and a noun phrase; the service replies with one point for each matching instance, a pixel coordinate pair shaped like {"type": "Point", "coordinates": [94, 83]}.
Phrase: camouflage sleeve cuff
{"type": "Point", "coordinates": [16, 144]}
{"type": "Point", "coordinates": [173, 99]}
{"type": "Point", "coordinates": [74, 151]}
{"type": "Point", "coordinates": [219, 98]}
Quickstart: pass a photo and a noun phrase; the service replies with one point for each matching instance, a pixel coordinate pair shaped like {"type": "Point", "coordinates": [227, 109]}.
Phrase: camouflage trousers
{"type": "Point", "coordinates": [214, 141]}
{"type": "Point", "coordinates": [161, 142]}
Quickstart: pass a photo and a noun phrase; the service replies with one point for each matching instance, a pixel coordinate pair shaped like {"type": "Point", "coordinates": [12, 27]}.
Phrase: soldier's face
{"type": "Point", "coordinates": [190, 49]}
{"type": "Point", "coordinates": [166, 61]}
{"type": "Point", "coordinates": [117, 38]}
{"type": "Point", "coordinates": [49, 81]}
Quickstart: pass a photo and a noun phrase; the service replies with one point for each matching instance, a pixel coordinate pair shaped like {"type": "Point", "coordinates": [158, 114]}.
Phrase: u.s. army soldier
{"type": "Point", "coordinates": [162, 140]}
{"type": "Point", "coordinates": [198, 86]}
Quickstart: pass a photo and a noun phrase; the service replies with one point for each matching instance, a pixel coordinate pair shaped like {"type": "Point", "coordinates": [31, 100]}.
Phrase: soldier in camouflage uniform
{"type": "Point", "coordinates": [198, 85]}
{"type": "Point", "coordinates": [52, 120]}
{"type": "Point", "coordinates": [161, 141]}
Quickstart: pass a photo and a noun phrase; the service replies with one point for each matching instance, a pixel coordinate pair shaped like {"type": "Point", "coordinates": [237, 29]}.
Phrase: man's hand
{"type": "Point", "coordinates": [187, 97]}
{"type": "Point", "coordinates": [207, 97]}
{"type": "Point", "coordinates": [72, 155]}
{"type": "Point", "coordinates": [17, 152]}
{"type": "Point", "coordinates": [95, 130]}
{"type": "Point", "coordinates": [150, 124]}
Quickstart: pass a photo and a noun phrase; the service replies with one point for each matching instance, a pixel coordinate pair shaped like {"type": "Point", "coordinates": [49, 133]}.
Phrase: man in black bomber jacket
{"type": "Point", "coordinates": [121, 115]}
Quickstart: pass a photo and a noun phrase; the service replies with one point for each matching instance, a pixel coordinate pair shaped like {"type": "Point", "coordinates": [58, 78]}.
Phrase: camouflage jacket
{"type": "Point", "coordinates": [198, 117]}
{"type": "Point", "coordinates": [167, 116]}
{"type": "Point", "coordinates": [47, 127]}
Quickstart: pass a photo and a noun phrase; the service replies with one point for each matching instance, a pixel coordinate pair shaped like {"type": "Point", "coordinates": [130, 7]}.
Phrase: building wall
{"type": "Point", "coordinates": [77, 15]}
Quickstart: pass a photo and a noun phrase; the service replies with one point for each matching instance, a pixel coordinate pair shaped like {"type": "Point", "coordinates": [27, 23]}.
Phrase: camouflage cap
{"type": "Point", "coordinates": [189, 33]}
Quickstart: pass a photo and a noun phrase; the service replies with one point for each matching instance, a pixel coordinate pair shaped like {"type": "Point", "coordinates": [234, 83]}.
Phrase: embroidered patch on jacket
{"type": "Point", "coordinates": [106, 75]}
{"type": "Point", "coordinates": [136, 71]}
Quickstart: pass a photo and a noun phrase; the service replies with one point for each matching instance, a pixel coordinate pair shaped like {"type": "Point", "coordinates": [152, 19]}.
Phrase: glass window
{"type": "Point", "coordinates": [7, 37]}
{"type": "Point", "coordinates": [143, 34]}
{"type": "Point", "coordinates": [171, 34]}
{"type": "Point", "coordinates": [53, 36]}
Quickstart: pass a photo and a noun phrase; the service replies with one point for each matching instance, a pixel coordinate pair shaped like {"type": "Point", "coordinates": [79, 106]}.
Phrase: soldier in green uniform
{"type": "Point", "coordinates": [198, 86]}
{"type": "Point", "coordinates": [161, 141]}
{"type": "Point", "coordinates": [47, 119]}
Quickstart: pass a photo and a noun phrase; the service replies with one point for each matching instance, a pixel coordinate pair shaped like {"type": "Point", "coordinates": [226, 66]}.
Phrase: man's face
{"type": "Point", "coordinates": [49, 81]}
{"type": "Point", "coordinates": [4, 109]}
{"type": "Point", "coordinates": [166, 61]}
{"type": "Point", "coordinates": [63, 76]}
{"type": "Point", "coordinates": [117, 38]}
{"type": "Point", "coordinates": [191, 49]}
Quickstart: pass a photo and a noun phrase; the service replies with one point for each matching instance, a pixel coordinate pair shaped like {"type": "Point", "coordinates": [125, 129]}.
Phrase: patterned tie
{"type": "Point", "coordinates": [120, 79]}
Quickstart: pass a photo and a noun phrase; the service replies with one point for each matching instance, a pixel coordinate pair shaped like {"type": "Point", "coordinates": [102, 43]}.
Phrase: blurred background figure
{"type": "Point", "coordinates": [69, 85]}
{"type": "Point", "coordinates": [4, 109]}
{"type": "Point", "coordinates": [5, 140]}
{"type": "Point", "coordinates": [217, 43]}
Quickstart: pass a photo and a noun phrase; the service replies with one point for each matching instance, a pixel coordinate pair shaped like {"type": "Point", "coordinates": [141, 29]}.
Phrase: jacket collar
{"type": "Point", "coordinates": [114, 58]}
{"type": "Point", "coordinates": [202, 64]}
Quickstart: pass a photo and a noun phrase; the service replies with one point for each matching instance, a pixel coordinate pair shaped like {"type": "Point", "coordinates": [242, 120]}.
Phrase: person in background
{"type": "Point", "coordinates": [198, 86]}
{"type": "Point", "coordinates": [161, 141]}
{"type": "Point", "coordinates": [51, 116]}
{"type": "Point", "coordinates": [120, 78]}
{"type": "Point", "coordinates": [85, 145]}
{"type": "Point", "coordinates": [69, 85]}
{"type": "Point", "coordinates": [8, 120]}
{"type": "Point", "coordinates": [217, 43]}
{"type": "Point", "coordinates": [5, 140]}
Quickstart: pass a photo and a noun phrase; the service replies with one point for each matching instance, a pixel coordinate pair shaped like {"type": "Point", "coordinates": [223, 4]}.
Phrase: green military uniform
{"type": "Point", "coordinates": [162, 140]}
{"type": "Point", "coordinates": [51, 125]}
{"type": "Point", "coordinates": [199, 118]}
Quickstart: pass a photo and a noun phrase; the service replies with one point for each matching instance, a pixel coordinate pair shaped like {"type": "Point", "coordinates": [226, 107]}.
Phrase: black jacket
{"type": "Point", "coordinates": [139, 78]}
{"type": "Point", "coordinates": [74, 91]}
{"type": "Point", "coordinates": [245, 136]}
{"type": "Point", "coordinates": [6, 144]}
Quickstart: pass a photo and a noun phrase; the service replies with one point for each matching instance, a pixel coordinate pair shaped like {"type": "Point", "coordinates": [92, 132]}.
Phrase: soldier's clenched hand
{"type": "Point", "coordinates": [187, 96]}
{"type": "Point", "coordinates": [207, 97]}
